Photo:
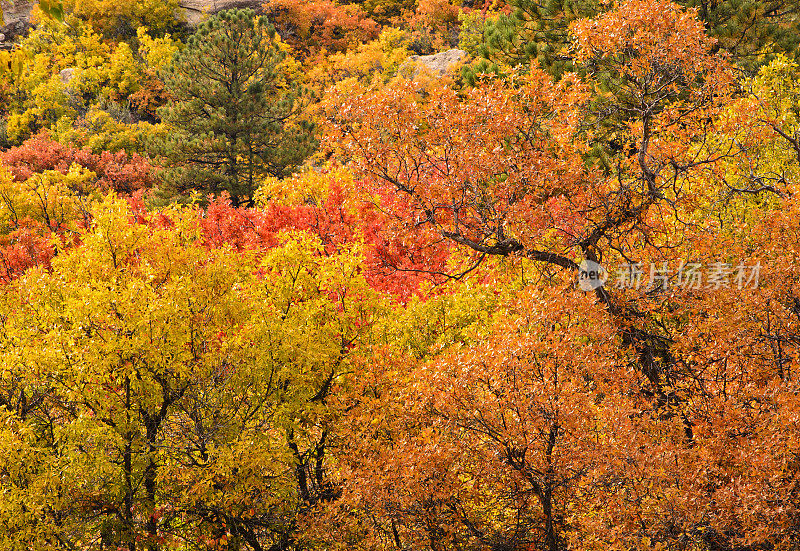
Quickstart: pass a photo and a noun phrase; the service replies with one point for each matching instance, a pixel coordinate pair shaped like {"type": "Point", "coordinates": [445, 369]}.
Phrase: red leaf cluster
{"type": "Point", "coordinates": [120, 172]}
{"type": "Point", "coordinates": [23, 248]}
{"type": "Point", "coordinates": [395, 263]}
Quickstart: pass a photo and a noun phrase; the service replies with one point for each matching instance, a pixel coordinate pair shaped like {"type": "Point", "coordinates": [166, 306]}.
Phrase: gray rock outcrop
{"type": "Point", "coordinates": [195, 11]}
{"type": "Point", "coordinates": [66, 75]}
{"type": "Point", "coordinates": [437, 65]}
{"type": "Point", "coordinates": [17, 18]}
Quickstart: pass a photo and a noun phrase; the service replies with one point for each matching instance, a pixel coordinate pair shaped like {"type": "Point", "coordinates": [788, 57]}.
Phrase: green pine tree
{"type": "Point", "coordinates": [537, 32]}
{"type": "Point", "coordinates": [753, 31]}
{"type": "Point", "coordinates": [234, 117]}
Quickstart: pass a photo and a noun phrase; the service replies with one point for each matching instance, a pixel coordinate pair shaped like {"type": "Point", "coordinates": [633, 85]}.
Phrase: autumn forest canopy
{"type": "Point", "coordinates": [440, 275]}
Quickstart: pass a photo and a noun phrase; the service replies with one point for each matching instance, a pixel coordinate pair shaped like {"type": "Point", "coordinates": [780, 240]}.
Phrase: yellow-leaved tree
{"type": "Point", "coordinates": [160, 394]}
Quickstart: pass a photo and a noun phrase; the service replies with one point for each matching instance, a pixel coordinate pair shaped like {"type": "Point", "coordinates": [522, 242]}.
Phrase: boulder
{"type": "Point", "coordinates": [66, 75]}
{"type": "Point", "coordinates": [436, 65]}
{"type": "Point", "coordinates": [17, 18]}
{"type": "Point", "coordinates": [195, 11]}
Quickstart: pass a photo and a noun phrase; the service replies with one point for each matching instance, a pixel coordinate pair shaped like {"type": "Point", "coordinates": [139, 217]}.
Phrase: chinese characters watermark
{"type": "Point", "coordinates": [686, 275]}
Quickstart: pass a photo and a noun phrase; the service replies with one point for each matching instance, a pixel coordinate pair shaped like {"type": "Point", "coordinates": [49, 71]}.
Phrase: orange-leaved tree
{"type": "Point", "coordinates": [556, 172]}
{"type": "Point", "coordinates": [621, 164]}
{"type": "Point", "coordinates": [593, 168]}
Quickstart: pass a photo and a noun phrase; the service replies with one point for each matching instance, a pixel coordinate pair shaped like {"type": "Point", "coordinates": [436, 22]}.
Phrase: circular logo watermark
{"type": "Point", "coordinates": [591, 275]}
